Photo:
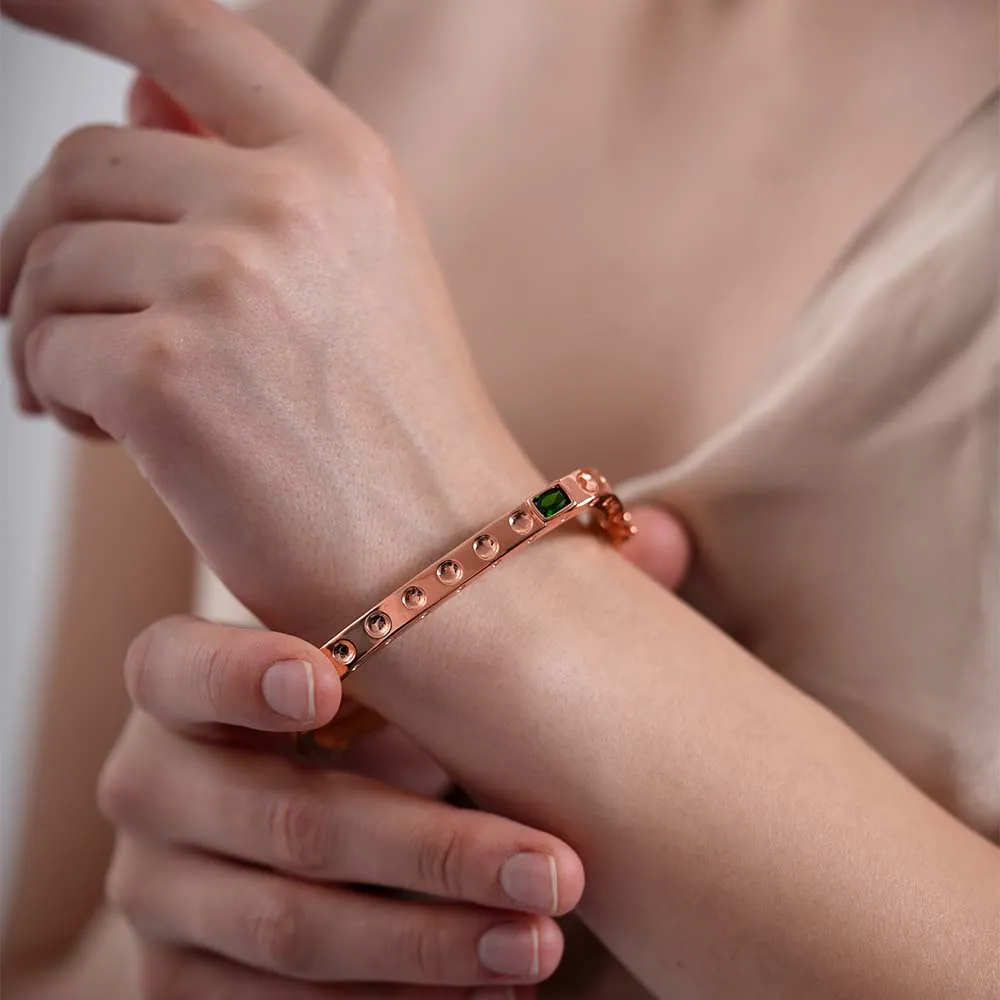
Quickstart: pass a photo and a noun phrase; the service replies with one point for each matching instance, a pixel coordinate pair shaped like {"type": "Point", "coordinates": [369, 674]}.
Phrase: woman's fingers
{"type": "Point", "coordinates": [320, 933]}
{"type": "Point", "coordinates": [100, 269]}
{"type": "Point", "coordinates": [80, 269]}
{"type": "Point", "coordinates": [150, 106]}
{"type": "Point", "coordinates": [96, 173]}
{"type": "Point", "coordinates": [230, 77]}
{"type": "Point", "coordinates": [87, 267]}
{"type": "Point", "coordinates": [108, 172]}
{"type": "Point", "coordinates": [392, 757]}
{"type": "Point", "coordinates": [55, 360]}
{"type": "Point", "coordinates": [661, 547]}
{"type": "Point", "coordinates": [185, 671]}
{"type": "Point", "coordinates": [172, 973]}
{"type": "Point", "coordinates": [331, 826]}
{"type": "Point", "coordinates": [247, 856]}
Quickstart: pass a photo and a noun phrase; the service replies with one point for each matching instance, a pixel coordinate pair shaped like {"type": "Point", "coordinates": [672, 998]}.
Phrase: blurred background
{"type": "Point", "coordinates": [46, 89]}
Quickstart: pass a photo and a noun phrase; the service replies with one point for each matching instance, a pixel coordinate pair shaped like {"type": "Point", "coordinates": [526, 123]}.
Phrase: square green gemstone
{"type": "Point", "coordinates": [551, 501]}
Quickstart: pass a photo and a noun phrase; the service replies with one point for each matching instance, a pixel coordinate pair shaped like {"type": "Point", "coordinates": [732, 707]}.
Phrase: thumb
{"type": "Point", "coordinates": [661, 547]}
{"type": "Point", "coordinates": [150, 106]}
{"type": "Point", "coordinates": [188, 672]}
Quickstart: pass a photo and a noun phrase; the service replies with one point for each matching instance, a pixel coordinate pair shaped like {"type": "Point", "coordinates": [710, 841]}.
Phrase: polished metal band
{"type": "Point", "coordinates": [583, 491]}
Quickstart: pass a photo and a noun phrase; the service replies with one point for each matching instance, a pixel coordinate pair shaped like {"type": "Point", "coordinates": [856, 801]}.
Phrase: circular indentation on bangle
{"type": "Point", "coordinates": [486, 547]}
{"type": "Point", "coordinates": [520, 521]}
{"type": "Point", "coordinates": [378, 624]}
{"type": "Point", "coordinates": [587, 480]}
{"type": "Point", "coordinates": [413, 598]}
{"type": "Point", "coordinates": [343, 651]}
{"type": "Point", "coordinates": [449, 572]}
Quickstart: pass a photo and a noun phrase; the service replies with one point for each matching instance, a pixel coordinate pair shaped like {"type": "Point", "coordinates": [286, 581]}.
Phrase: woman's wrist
{"type": "Point", "coordinates": [384, 532]}
{"type": "Point", "coordinates": [564, 690]}
{"type": "Point", "coordinates": [582, 492]}
{"type": "Point", "coordinates": [507, 652]}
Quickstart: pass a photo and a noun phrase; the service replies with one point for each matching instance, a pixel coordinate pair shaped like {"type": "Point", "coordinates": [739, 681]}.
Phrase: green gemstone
{"type": "Point", "coordinates": [551, 501]}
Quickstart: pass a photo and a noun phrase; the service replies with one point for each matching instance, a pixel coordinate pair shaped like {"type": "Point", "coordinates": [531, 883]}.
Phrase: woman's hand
{"type": "Point", "coordinates": [255, 313]}
{"type": "Point", "coordinates": [235, 867]}
{"type": "Point", "coordinates": [239, 869]}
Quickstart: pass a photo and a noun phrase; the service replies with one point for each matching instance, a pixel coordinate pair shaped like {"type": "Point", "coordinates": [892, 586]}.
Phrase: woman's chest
{"type": "Point", "coordinates": [627, 222]}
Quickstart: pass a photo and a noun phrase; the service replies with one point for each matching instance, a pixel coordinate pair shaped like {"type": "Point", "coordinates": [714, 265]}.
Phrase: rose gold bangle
{"type": "Point", "coordinates": [585, 490]}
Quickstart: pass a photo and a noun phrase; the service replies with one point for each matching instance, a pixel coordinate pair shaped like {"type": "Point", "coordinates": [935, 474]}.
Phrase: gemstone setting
{"type": "Point", "coordinates": [343, 652]}
{"type": "Point", "coordinates": [520, 522]}
{"type": "Point", "coordinates": [378, 624]}
{"type": "Point", "coordinates": [449, 572]}
{"type": "Point", "coordinates": [550, 502]}
{"type": "Point", "coordinates": [413, 598]}
{"type": "Point", "coordinates": [486, 547]}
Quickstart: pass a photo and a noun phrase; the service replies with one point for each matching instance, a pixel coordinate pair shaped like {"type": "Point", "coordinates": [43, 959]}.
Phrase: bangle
{"type": "Point", "coordinates": [583, 491]}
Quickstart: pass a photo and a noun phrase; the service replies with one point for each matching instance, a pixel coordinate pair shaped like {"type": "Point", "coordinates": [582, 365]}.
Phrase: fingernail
{"type": "Point", "coordinates": [531, 880]}
{"type": "Point", "coordinates": [510, 950]}
{"type": "Point", "coordinates": [289, 689]}
{"type": "Point", "coordinates": [494, 993]}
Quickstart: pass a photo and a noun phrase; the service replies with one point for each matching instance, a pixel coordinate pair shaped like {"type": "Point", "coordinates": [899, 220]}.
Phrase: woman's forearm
{"type": "Point", "coordinates": [103, 964]}
{"type": "Point", "coordinates": [105, 596]}
{"type": "Point", "coordinates": [283, 350]}
{"type": "Point", "coordinates": [738, 838]}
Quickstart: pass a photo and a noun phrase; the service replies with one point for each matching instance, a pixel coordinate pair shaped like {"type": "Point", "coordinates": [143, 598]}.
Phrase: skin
{"type": "Point", "coordinates": [179, 755]}
{"type": "Point", "coordinates": [677, 890]}
{"type": "Point", "coordinates": [154, 790]}
{"type": "Point", "coordinates": [454, 936]}
{"type": "Point", "coordinates": [51, 953]}
{"type": "Point", "coordinates": [36, 944]}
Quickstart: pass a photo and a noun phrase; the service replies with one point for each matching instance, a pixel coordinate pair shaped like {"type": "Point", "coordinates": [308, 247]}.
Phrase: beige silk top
{"type": "Point", "coordinates": [840, 489]}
